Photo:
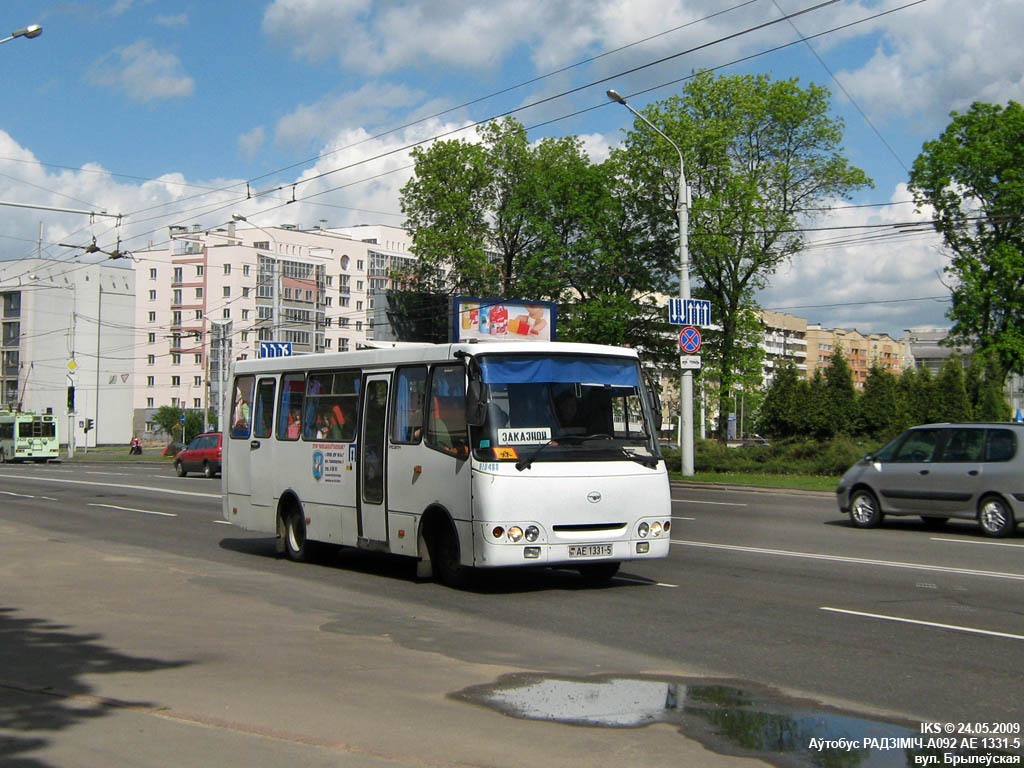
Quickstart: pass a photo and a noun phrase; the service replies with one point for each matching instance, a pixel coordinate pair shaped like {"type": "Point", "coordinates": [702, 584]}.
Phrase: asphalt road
{"type": "Point", "coordinates": [761, 589]}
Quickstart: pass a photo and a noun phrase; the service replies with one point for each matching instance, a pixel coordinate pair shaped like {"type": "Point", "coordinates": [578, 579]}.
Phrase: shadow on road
{"type": "Point", "coordinates": [41, 688]}
{"type": "Point", "coordinates": [395, 567]}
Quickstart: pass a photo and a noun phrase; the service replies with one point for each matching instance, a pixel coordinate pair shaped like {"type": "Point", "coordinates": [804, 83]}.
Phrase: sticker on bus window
{"type": "Point", "coordinates": [525, 436]}
{"type": "Point", "coordinates": [505, 452]}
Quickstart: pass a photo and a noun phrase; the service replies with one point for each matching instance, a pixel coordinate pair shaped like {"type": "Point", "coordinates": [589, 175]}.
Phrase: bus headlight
{"type": "Point", "coordinates": [498, 532]}
{"type": "Point", "coordinates": [532, 533]}
{"type": "Point", "coordinates": [656, 529]}
{"type": "Point", "coordinates": [668, 526]}
{"type": "Point", "coordinates": [642, 530]}
{"type": "Point", "coordinates": [515, 533]}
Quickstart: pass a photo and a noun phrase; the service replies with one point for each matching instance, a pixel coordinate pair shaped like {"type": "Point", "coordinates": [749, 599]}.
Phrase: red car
{"type": "Point", "coordinates": [202, 454]}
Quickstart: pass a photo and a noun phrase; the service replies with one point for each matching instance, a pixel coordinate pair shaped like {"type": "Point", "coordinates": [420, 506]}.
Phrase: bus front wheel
{"type": "Point", "coordinates": [445, 558]}
{"type": "Point", "coordinates": [295, 543]}
{"type": "Point", "coordinates": [599, 573]}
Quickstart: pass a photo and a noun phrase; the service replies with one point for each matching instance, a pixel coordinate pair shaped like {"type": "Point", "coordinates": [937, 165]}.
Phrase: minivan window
{"type": "Point", "coordinates": [919, 446]}
{"type": "Point", "coordinates": [1001, 445]}
{"type": "Point", "coordinates": [964, 445]}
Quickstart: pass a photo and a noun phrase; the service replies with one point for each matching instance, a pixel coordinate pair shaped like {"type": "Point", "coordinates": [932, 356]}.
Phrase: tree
{"type": "Point", "coordinates": [882, 411]}
{"type": "Point", "coordinates": [757, 154]}
{"type": "Point", "coordinates": [446, 204]}
{"type": "Point", "coordinates": [505, 218]}
{"type": "Point", "coordinates": [951, 399]}
{"type": "Point", "coordinates": [168, 418]}
{"type": "Point", "coordinates": [983, 383]}
{"type": "Point", "coordinates": [841, 395]}
{"type": "Point", "coordinates": [780, 412]}
{"type": "Point", "coordinates": [918, 389]}
{"type": "Point", "coordinates": [973, 177]}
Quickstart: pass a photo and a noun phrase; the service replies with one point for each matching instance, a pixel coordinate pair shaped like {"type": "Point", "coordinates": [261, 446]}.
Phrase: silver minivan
{"type": "Point", "coordinates": [939, 471]}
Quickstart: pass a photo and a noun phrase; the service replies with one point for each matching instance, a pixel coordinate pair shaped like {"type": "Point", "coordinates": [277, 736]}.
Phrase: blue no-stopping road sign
{"type": "Point", "coordinates": [689, 340]}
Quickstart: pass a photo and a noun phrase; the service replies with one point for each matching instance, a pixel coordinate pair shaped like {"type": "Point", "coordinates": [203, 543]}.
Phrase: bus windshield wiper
{"type": "Point", "coordinates": [525, 462]}
{"type": "Point", "coordinates": [651, 462]}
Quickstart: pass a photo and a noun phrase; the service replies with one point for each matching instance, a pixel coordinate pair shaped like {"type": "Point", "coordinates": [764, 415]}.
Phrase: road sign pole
{"type": "Point", "coordinates": [686, 376]}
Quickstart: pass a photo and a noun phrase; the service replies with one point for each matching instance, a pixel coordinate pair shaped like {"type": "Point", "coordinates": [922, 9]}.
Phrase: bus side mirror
{"type": "Point", "coordinates": [476, 405]}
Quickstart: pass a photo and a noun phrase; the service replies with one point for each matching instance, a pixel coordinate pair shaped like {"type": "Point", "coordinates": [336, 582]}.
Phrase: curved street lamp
{"type": "Point", "coordinates": [32, 30]}
{"type": "Point", "coordinates": [686, 376]}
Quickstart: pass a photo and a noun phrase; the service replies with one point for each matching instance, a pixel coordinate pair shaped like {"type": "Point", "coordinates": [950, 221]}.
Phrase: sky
{"type": "Point", "coordinates": [181, 113]}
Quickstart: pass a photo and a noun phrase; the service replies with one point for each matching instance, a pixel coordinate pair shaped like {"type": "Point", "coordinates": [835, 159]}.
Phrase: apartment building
{"type": "Point", "coordinates": [213, 295]}
{"type": "Point", "coordinates": [862, 351]}
{"type": "Point", "coordinates": [67, 340]}
{"type": "Point", "coordinates": [784, 340]}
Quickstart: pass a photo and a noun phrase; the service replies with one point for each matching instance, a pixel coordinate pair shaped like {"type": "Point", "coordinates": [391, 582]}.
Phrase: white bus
{"type": "Point", "coordinates": [460, 455]}
{"type": "Point", "coordinates": [27, 436]}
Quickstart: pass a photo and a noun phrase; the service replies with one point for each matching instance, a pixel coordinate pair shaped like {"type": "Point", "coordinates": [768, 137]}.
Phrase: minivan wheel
{"type": "Point", "coordinates": [864, 509]}
{"type": "Point", "coordinates": [995, 517]}
{"type": "Point", "coordinates": [179, 469]}
{"type": "Point", "coordinates": [208, 469]}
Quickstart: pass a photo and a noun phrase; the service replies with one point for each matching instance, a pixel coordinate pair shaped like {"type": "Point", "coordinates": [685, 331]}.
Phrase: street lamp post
{"type": "Point", "coordinates": [685, 376]}
{"type": "Point", "coordinates": [32, 30]}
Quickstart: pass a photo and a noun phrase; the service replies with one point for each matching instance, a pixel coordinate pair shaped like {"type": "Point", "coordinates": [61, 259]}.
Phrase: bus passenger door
{"type": "Point", "coordinates": [261, 446]}
{"type": "Point", "coordinates": [373, 524]}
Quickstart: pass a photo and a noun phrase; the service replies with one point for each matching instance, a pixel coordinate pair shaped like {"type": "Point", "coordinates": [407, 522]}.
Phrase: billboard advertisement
{"type": "Point", "coordinates": [500, 320]}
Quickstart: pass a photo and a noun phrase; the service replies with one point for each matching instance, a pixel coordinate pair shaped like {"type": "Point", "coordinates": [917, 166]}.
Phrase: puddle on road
{"type": "Point", "coordinates": [725, 718]}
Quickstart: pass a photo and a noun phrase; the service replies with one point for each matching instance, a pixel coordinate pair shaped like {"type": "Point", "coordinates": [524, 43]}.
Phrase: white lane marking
{"type": "Point", "coordinates": [645, 581]}
{"type": "Point", "coordinates": [107, 485]}
{"type": "Point", "coordinates": [968, 541]}
{"type": "Point", "coordinates": [117, 474]}
{"type": "Point", "coordinates": [902, 620]}
{"type": "Point", "coordinates": [132, 509]}
{"type": "Point", "coordinates": [683, 518]}
{"type": "Point", "coordinates": [855, 560]}
{"type": "Point", "coordinates": [18, 495]}
{"type": "Point", "coordinates": [222, 522]}
{"type": "Point", "coordinates": [716, 503]}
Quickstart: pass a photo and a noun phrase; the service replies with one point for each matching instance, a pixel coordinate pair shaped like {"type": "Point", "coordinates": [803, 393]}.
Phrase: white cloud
{"type": "Point", "coordinates": [143, 73]}
{"type": "Point", "coordinates": [835, 283]}
{"type": "Point", "coordinates": [251, 142]}
{"type": "Point", "coordinates": [391, 34]}
{"type": "Point", "coordinates": [372, 104]}
{"type": "Point", "coordinates": [177, 21]}
{"type": "Point", "coordinates": [941, 56]}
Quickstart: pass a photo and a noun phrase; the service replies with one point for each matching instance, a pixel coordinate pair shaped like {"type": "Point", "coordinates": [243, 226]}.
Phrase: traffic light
{"type": "Point", "coordinates": [71, 399]}
{"type": "Point", "coordinates": [88, 424]}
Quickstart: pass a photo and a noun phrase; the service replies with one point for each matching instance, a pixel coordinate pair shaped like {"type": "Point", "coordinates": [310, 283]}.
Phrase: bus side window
{"type": "Point", "coordinates": [241, 407]}
{"type": "Point", "coordinates": [331, 407]}
{"type": "Point", "coordinates": [407, 405]}
{"type": "Point", "coordinates": [289, 414]}
{"type": "Point", "coordinates": [263, 415]}
{"type": "Point", "coordinates": [446, 411]}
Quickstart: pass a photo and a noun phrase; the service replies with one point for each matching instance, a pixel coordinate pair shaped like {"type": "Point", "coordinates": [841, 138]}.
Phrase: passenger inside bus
{"type": "Point", "coordinates": [294, 422]}
{"type": "Point", "coordinates": [446, 426]}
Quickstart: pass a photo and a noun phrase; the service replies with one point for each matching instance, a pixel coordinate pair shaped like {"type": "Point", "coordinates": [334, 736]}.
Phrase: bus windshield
{"type": "Point", "coordinates": [563, 408]}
